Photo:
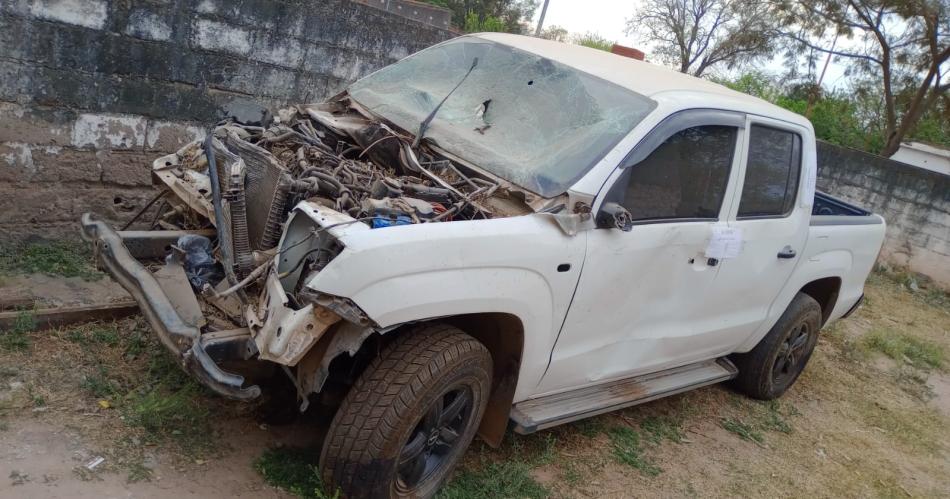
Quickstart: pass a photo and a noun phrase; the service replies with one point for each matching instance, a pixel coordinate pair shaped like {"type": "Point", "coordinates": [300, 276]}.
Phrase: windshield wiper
{"type": "Point", "coordinates": [425, 123]}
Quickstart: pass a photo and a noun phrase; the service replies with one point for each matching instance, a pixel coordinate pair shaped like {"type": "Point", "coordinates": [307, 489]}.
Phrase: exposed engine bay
{"type": "Point", "coordinates": [247, 258]}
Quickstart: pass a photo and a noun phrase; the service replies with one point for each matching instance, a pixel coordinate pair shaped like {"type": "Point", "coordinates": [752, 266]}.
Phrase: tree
{"type": "Point", "coordinates": [489, 23]}
{"type": "Point", "coordinates": [556, 33]}
{"type": "Point", "coordinates": [498, 15]}
{"type": "Point", "coordinates": [694, 35]}
{"type": "Point", "coordinates": [901, 47]}
{"type": "Point", "coordinates": [849, 117]}
{"type": "Point", "coordinates": [594, 41]}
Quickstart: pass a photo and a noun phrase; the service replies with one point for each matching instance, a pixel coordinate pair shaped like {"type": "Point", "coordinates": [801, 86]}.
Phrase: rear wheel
{"type": "Point", "coordinates": [769, 369]}
{"type": "Point", "coordinates": [410, 416]}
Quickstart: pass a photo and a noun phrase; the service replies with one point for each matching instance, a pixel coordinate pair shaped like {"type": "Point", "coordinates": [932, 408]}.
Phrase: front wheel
{"type": "Point", "coordinates": [410, 416]}
{"type": "Point", "coordinates": [769, 369]}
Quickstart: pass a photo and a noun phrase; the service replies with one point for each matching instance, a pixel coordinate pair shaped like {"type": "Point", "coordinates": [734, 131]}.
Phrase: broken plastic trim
{"type": "Point", "coordinates": [182, 339]}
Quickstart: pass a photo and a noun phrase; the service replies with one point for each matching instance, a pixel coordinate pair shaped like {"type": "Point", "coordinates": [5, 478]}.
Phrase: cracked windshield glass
{"type": "Point", "coordinates": [532, 121]}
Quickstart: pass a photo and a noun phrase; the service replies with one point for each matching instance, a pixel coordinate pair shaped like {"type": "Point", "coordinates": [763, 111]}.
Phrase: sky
{"type": "Point", "coordinates": [609, 18]}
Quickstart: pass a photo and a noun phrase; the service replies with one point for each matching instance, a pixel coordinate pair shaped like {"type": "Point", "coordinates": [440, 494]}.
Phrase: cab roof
{"type": "Point", "coordinates": [651, 80]}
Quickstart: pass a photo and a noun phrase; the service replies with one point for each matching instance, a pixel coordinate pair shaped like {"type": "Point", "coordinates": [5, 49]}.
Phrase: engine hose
{"type": "Point", "coordinates": [224, 237]}
{"type": "Point", "coordinates": [312, 172]}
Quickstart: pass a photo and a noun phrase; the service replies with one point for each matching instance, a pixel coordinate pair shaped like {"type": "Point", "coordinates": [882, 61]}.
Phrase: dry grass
{"type": "Point", "coordinates": [862, 421]}
{"type": "Point", "coordinates": [855, 424]}
{"type": "Point", "coordinates": [116, 385]}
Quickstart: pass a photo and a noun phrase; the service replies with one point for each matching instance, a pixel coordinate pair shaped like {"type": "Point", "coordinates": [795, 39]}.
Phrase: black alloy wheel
{"type": "Point", "coordinates": [434, 438]}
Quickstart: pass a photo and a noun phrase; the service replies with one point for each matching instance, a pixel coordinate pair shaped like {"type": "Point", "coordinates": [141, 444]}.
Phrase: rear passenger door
{"type": "Point", "coordinates": [773, 219]}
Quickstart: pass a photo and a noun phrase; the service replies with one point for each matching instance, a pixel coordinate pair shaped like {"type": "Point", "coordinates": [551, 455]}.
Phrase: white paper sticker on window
{"type": "Point", "coordinates": [725, 242]}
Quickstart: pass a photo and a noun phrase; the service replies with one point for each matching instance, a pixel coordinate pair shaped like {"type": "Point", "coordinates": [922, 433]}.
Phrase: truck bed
{"type": "Point", "coordinates": [829, 210]}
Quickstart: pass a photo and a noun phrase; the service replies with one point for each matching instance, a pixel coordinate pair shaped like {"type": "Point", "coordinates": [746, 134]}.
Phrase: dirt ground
{"type": "Point", "coordinates": [870, 417]}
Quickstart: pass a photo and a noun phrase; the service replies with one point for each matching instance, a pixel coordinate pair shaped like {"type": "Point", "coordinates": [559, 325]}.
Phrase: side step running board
{"type": "Point", "coordinates": [537, 414]}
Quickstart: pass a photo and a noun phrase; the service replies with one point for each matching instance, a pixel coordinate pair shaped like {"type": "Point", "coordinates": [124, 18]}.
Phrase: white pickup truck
{"type": "Point", "coordinates": [496, 232]}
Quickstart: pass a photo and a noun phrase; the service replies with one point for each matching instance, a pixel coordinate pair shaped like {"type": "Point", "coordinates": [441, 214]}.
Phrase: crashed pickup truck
{"type": "Point", "coordinates": [498, 232]}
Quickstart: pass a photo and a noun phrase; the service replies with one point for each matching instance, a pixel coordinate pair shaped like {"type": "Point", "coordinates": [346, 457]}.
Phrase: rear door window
{"type": "Point", "coordinates": [772, 172]}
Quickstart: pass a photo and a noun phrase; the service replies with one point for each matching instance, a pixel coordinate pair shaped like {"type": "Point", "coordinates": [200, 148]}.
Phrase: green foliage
{"type": "Point", "coordinates": [474, 24]}
{"type": "Point", "coordinates": [590, 427]}
{"type": "Point", "coordinates": [509, 16]}
{"type": "Point", "coordinates": [294, 470]}
{"type": "Point", "coordinates": [137, 472]}
{"type": "Point", "coordinates": [100, 384]}
{"type": "Point", "coordinates": [495, 480]}
{"type": "Point", "coordinates": [625, 443]}
{"type": "Point", "coordinates": [16, 338]}
{"type": "Point", "coordinates": [849, 119]}
{"type": "Point", "coordinates": [594, 41]}
{"type": "Point", "coordinates": [744, 430]}
{"type": "Point", "coordinates": [94, 335]}
{"type": "Point", "coordinates": [761, 417]}
{"type": "Point", "coordinates": [555, 32]}
{"type": "Point", "coordinates": [905, 348]}
{"type": "Point", "coordinates": [56, 258]}
{"type": "Point", "coordinates": [658, 428]}
{"type": "Point", "coordinates": [437, 3]}
{"type": "Point", "coordinates": [773, 417]}
{"type": "Point", "coordinates": [136, 343]}
{"type": "Point", "coordinates": [169, 413]}
{"type": "Point", "coordinates": [108, 335]}
{"type": "Point", "coordinates": [168, 406]}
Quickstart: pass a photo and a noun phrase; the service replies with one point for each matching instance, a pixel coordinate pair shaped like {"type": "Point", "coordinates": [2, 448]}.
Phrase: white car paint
{"type": "Point", "coordinates": [631, 302]}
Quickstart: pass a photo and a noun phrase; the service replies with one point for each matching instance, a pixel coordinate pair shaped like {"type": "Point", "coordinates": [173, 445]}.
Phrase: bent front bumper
{"type": "Point", "coordinates": [183, 339]}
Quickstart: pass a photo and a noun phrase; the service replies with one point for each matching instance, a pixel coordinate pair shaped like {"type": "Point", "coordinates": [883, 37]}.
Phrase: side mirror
{"type": "Point", "coordinates": [614, 216]}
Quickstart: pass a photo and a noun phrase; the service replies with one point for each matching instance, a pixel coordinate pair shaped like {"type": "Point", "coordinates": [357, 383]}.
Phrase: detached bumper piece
{"type": "Point", "coordinates": [177, 334]}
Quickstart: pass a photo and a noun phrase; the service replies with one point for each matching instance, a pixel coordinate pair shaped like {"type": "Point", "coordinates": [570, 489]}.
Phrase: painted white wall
{"type": "Point", "coordinates": [924, 156]}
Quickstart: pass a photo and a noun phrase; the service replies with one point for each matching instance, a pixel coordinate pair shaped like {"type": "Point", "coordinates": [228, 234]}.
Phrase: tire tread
{"type": "Point", "coordinates": [385, 394]}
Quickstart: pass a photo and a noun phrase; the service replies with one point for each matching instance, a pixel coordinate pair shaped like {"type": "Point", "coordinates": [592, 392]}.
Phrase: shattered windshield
{"type": "Point", "coordinates": [530, 120]}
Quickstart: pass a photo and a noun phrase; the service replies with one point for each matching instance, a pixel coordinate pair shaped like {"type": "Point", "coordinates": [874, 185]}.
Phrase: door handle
{"type": "Point", "coordinates": [787, 253]}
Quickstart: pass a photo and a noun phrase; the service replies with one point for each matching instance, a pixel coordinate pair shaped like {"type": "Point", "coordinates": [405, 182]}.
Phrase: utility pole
{"type": "Point", "coordinates": [544, 10]}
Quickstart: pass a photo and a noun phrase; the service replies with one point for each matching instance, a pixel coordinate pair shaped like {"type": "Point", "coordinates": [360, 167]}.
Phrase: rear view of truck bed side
{"type": "Point", "coordinates": [849, 236]}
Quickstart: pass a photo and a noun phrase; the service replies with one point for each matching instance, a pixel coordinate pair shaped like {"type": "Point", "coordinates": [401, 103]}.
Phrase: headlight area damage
{"type": "Point", "coordinates": [246, 219]}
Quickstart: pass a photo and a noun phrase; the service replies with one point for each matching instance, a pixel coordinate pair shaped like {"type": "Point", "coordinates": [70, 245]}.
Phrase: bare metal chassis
{"type": "Point", "coordinates": [194, 350]}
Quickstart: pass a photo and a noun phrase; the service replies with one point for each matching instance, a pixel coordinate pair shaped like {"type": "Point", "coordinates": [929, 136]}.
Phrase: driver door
{"type": "Point", "coordinates": [640, 306]}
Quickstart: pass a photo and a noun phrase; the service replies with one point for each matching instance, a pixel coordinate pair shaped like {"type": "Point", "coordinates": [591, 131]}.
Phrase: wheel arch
{"type": "Point", "coordinates": [501, 333]}
{"type": "Point", "coordinates": [825, 292]}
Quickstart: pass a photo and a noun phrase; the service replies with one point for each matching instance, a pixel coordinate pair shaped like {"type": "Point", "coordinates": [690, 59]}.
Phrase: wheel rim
{"type": "Point", "coordinates": [434, 438]}
{"type": "Point", "coordinates": [791, 354]}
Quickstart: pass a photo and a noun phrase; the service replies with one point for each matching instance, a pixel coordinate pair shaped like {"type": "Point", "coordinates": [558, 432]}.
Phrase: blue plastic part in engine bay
{"type": "Point", "coordinates": [381, 221]}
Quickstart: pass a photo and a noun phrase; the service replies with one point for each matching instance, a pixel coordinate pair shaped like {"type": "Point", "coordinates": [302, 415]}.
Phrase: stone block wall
{"type": "Point", "coordinates": [91, 91]}
{"type": "Point", "coordinates": [419, 11]}
{"type": "Point", "coordinates": [915, 203]}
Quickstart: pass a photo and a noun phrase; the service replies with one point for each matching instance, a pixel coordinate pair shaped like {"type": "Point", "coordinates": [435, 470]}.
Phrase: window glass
{"type": "Point", "coordinates": [771, 176]}
{"type": "Point", "coordinates": [530, 120]}
{"type": "Point", "coordinates": [685, 177]}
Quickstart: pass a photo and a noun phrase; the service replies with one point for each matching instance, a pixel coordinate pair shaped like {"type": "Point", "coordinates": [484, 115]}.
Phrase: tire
{"type": "Point", "coordinates": [769, 369]}
{"type": "Point", "coordinates": [409, 417]}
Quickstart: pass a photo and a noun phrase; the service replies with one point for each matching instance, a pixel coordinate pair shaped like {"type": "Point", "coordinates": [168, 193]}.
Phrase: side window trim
{"type": "Point", "coordinates": [744, 157]}
{"type": "Point", "coordinates": [678, 122]}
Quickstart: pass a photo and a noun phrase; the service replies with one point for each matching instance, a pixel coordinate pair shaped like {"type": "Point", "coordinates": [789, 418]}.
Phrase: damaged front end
{"type": "Point", "coordinates": [249, 215]}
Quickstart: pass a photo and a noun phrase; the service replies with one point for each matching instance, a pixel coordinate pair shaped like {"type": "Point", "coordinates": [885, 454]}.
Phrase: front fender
{"type": "Point", "coordinates": [524, 266]}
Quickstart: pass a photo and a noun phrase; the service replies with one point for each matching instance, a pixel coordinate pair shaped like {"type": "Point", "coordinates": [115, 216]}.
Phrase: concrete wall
{"type": "Point", "coordinates": [92, 90]}
{"type": "Point", "coordinates": [914, 201]}
{"type": "Point", "coordinates": [422, 12]}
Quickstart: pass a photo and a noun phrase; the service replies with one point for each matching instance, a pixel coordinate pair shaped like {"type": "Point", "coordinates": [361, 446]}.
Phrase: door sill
{"type": "Point", "coordinates": [552, 410]}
